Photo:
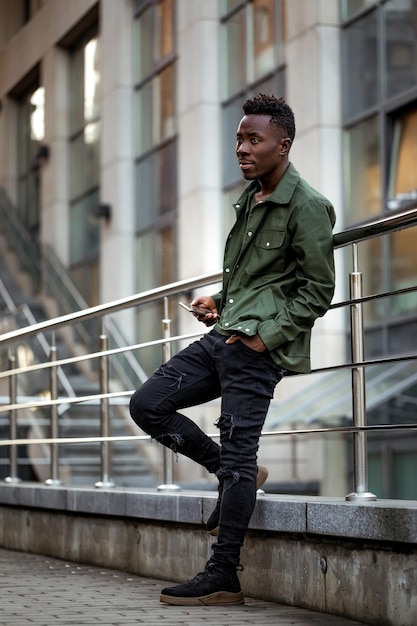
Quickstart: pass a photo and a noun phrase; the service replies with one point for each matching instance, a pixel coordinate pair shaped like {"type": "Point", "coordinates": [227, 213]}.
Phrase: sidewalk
{"type": "Point", "coordinates": [43, 591]}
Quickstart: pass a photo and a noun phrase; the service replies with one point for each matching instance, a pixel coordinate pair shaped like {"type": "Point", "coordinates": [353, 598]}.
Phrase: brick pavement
{"type": "Point", "coordinates": [43, 591]}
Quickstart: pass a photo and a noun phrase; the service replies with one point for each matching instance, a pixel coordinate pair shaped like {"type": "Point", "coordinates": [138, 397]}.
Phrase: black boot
{"type": "Point", "coordinates": [213, 586]}
{"type": "Point", "coordinates": [212, 525]}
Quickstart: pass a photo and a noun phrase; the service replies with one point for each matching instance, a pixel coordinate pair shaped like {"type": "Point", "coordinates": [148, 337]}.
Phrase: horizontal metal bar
{"type": "Point", "coordinates": [117, 305]}
{"type": "Point", "coordinates": [381, 226]}
{"type": "Point", "coordinates": [94, 398]}
{"type": "Point", "coordinates": [75, 400]}
{"type": "Point", "coordinates": [93, 355]}
{"type": "Point", "coordinates": [277, 433]}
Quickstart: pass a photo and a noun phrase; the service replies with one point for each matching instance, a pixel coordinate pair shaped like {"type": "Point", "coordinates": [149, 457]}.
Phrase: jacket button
{"type": "Point", "coordinates": [231, 300]}
{"type": "Point", "coordinates": [227, 269]}
{"type": "Point", "coordinates": [250, 233]}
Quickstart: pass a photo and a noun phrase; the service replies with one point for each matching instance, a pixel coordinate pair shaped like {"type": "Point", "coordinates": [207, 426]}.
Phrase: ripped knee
{"type": "Point", "coordinates": [226, 424]}
{"type": "Point", "coordinates": [227, 477]}
{"type": "Point", "coordinates": [168, 371]}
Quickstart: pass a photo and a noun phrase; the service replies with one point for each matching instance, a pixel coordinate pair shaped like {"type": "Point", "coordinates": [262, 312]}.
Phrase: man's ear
{"type": "Point", "coordinates": [285, 146]}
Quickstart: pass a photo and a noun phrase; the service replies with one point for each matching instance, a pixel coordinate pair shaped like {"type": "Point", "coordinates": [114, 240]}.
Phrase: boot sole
{"type": "Point", "coordinates": [261, 477]}
{"type": "Point", "coordinates": [220, 598]}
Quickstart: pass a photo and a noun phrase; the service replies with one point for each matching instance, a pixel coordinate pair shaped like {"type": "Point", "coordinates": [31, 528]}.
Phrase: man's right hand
{"type": "Point", "coordinates": [207, 304]}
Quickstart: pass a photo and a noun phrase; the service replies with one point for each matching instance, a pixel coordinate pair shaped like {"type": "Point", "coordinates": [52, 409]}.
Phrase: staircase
{"type": "Point", "coordinates": [80, 463]}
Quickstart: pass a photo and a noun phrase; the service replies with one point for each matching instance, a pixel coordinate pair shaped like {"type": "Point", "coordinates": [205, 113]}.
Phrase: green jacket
{"type": "Point", "coordinates": [278, 272]}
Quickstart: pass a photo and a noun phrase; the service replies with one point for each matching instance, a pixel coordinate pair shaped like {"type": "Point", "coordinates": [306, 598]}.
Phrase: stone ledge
{"type": "Point", "coordinates": [383, 520]}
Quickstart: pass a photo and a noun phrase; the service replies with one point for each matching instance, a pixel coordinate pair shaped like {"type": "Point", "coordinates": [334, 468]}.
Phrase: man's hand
{"type": "Point", "coordinates": [254, 343]}
{"type": "Point", "coordinates": [206, 303]}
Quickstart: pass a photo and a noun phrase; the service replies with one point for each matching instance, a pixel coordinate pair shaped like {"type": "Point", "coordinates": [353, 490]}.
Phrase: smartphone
{"type": "Point", "coordinates": [194, 309]}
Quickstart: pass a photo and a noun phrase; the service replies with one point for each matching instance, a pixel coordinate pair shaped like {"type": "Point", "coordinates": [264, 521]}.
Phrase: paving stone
{"type": "Point", "coordinates": [41, 591]}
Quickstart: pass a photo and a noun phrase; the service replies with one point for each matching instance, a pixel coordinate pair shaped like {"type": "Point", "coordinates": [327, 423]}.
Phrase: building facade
{"type": "Point", "coordinates": [117, 133]}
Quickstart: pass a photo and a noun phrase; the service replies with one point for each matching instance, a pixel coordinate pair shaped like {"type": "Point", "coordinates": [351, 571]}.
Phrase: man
{"type": "Point", "coordinates": [278, 278]}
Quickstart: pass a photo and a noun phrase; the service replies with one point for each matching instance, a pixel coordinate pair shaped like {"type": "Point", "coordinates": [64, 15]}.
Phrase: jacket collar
{"type": "Point", "coordinates": [282, 193]}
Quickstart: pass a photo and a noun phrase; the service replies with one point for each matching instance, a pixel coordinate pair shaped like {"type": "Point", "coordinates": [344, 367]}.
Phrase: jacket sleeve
{"type": "Point", "coordinates": [312, 248]}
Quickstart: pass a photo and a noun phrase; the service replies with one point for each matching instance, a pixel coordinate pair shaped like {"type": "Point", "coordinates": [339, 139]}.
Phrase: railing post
{"type": "Point", "coordinates": [360, 460]}
{"type": "Point", "coordinates": [53, 377]}
{"type": "Point", "coordinates": [168, 454]}
{"type": "Point", "coordinates": [13, 478]}
{"type": "Point", "coordinates": [104, 412]}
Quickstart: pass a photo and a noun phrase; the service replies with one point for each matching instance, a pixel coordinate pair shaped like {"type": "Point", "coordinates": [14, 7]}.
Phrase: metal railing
{"type": "Point", "coordinates": [359, 427]}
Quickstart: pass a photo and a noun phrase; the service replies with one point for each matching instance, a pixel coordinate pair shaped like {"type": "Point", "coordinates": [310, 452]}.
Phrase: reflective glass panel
{"type": "Point", "coordinates": [232, 114]}
{"type": "Point", "coordinates": [91, 80]}
{"type": "Point", "coordinates": [84, 231]}
{"type": "Point", "coordinates": [167, 175]}
{"type": "Point", "coordinates": [401, 45]}
{"type": "Point", "coordinates": [143, 45]}
{"type": "Point", "coordinates": [403, 269]}
{"type": "Point", "coordinates": [144, 119]}
{"type": "Point", "coordinates": [234, 54]}
{"type": "Point", "coordinates": [362, 171]}
{"type": "Point", "coordinates": [402, 189]}
{"type": "Point", "coordinates": [229, 5]}
{"type": "Point", "coordinates": [145, 192]}
{"type": "Point", "coordinates": [165, 28]}
{"type": "Point", "coordinates": [165, 103]}
{"type": "Point", "coordinates": [265, 36]}
{"type": "Point", "coordinates": [350, 7]}
{"type": "Point", "coordinates": [76, 94]}
{"type": "Point", "coordinates": [361, 71]}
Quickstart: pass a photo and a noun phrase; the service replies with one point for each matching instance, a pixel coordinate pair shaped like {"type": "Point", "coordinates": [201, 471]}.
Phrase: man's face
{"type": "Point", "coordinates": [261, 147]}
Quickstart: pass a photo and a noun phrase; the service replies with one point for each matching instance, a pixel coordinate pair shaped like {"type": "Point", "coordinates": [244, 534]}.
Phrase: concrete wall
{"type": "Point", "coordinates": [356, 560]}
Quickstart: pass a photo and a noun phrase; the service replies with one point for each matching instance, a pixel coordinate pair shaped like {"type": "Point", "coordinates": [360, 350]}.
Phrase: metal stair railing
{"type": "Point", "coordinates": [357, 366]}
{"type": "Point", "coordinates": [44, 267]}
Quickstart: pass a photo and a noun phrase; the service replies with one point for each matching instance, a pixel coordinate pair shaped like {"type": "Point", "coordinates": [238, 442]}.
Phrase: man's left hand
{"type": "Point", "coordinates": [254, 343]}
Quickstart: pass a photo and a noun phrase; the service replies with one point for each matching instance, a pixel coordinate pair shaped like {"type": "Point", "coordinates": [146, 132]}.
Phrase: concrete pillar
{"type": "Point", "coordinates": [313, 91]}
{"type": "Point", "coordinates": [55, 170]}
{"type": "Point", "coordinates": [116, 183]}
{"type": "Point", "coordinates": [200, 244]}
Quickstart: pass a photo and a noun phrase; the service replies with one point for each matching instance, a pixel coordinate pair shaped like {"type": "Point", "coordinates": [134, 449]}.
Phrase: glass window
{"type": "Point", "coordinates": [234, 57]}
{"type": "Point", "coordinates": [400, 45]}
{"type": "Point", "coordinates": [145, 193]}
{"type": "Point", "coordinates": [402, 186]}
{"type": "Point", "coordinates": [154, 254]}
{"type": "Point", "coordinates": [362, 171]}
{"type": "Point", "coordinates": [167, 174]}
{"type": "Point", "coordinates": [84, 241]}
{"type": "Point", "coordinates": [252, 61]}
{"type": "Point", "coordinates": [350, 7]}
{"type": "Point", "coordinates": [403, 270]}
{"type": "Point", "coordinates": [30, 134]}
{"type": "Point", "coordinates": [266, 49]}
{"type": "Point", "coordinates": [144, 116]}
{"type": "Point", "coordinates": [143, 54]}
{"type": "Point", "coordinates": [361, 71]}
{"type": "Point", "coordinates": [165, 103]}
{"type": "Point", "coordinates": [165, 29]}
{"type": "Point", "coordinates": [404, 471]}
{"type": "Point", "coordinates": [232, 114]}
{"type": "Point", "coordinates": [84, 143]}
{"type": "Point", "coordinates": [228, 5]}
{"type": "Point", "coordinates": [155, 142]}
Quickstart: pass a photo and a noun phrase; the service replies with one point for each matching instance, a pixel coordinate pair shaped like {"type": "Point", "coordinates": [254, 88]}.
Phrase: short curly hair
{"type": "Point", "coordinates": [281, 114]}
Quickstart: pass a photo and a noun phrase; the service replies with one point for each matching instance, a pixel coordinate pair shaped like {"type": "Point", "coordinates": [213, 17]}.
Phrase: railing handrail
{"type": "Point", "coordinates": [112, 307]}
{"type": "Point", "coordinates": [384, 225]}
{"type": "Point", "coordinates": [380, 226]}
{"type": "Point", "coordinates": [352, 236]}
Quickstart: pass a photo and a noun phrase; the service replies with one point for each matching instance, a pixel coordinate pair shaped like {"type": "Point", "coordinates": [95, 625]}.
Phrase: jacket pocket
{"type": "Point", "coordinates": [268, 253]}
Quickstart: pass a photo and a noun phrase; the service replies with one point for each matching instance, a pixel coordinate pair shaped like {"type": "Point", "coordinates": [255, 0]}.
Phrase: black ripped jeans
{"type": "Point", "coordinates": [245, 380]}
